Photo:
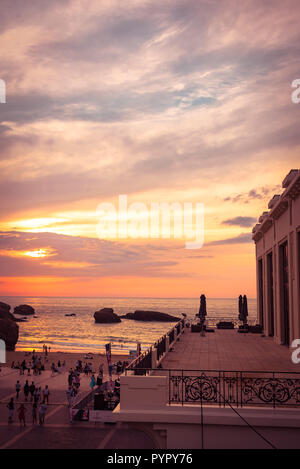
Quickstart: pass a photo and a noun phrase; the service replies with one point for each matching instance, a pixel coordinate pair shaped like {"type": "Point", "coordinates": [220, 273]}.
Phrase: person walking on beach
{"type": "Point", "coordinates": [26, 390]}
{"type": "Point", "coordinates": [34, 412]}
{"type": "Point", "coordinates": [21, 415]}
{"type": "Point", "coordinates": [18, 389]}
{"type": "Point", "coordinates": [46, 393]}
{"type": "Point", "coordinates": [42, 413]}
{"type": "Point", "coordinates": [11, 408]}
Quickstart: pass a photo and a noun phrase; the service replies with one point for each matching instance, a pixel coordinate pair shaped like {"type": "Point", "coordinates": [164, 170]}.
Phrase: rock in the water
{"type": "Point", "coordinates": [9, 332]}
{"type": "Point", "coordinates": [5, 312]}
{"type": "Point", "coordinates": [25, 310]}
{"type": "Point", "coordinates": [140, 315]}
{"type": "Point", "coordinates": [127, 316]}
{"type": "Point", "coordinates": [106, 316]}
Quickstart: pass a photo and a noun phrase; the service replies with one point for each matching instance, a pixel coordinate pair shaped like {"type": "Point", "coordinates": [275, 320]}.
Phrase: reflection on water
{"type": "Point", "coordinates": [80, 333]}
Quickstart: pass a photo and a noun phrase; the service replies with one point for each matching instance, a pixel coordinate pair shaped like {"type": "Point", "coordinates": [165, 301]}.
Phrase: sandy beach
{"type": "Point", "coordinates": [68, 357]}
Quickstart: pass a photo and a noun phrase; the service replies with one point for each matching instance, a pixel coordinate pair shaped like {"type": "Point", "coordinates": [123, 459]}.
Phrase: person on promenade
{"type": "Point", "coordinates": [18, 389]}
{"type": "Point", "coordinates": [53, 369]}
{"type": "Point", "coordinates": [21, 415]}
{"type": "Point", "coordinates": [37, 394]}
{"type": "Point", "coordinates": [70, 378]}
{"type": "Point", "coordinates": [99, 380]}
{"type": "Point", "coordinates": [22, 367]}
{"type": "Point", "coordinates": [11, 408]}
{"type": "Point", "coordinates": [34, 413]}
{"type": "Point", "coordinates": [32, 390]}
{"type": "Point", "coordinates": [26, 390]}
{"type": "Point", "coordinates": [77, 381]}
{"type": "Point", "coordinates": [46, 394]}
{"type": "Point", "coordinates": [39, 366]}
{"type": "Point", "coordinates": [93, 382]}
{"type": "Point", "coordinates": [42, 413]}
{"type": "Point", "coordinates": [69, 395]}
{"type": "Point", "coordinates": [86, 370]}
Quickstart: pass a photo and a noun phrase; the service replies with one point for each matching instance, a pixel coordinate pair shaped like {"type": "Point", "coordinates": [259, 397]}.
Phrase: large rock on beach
{"type": "Point", "coordinates": [141, 315]}
{"type": "Point", "coordinates": [24, 310]}
{"type": "Point", "coordinates": [106, 316]}
{"type": "Point", "coordinates": [5, 312]}
{"type": "Point", "coordinates": [4, 306]}
{"type": "Point", "coordinates": [9, 332]}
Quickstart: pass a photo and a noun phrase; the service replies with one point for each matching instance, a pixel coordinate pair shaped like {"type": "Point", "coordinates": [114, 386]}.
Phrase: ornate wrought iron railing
{"type": "Point", "coordinates": [235, 388]}
{"type": "Point", "coordinates": [231, 388]}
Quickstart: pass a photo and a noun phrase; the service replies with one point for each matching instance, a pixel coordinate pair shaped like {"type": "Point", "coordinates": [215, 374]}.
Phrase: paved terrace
{"type": "Point", "coordinates": [229, 350]}
{"type": "Point", "coordinates": [58, 432]}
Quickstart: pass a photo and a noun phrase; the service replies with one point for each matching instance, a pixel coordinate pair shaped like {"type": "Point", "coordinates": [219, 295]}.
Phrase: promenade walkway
{"type": "Point", "coordinates": [58, 432]}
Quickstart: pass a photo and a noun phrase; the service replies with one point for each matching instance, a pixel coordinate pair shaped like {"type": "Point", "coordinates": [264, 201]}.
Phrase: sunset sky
{"type": "Point", "coordinates": [163, 101]}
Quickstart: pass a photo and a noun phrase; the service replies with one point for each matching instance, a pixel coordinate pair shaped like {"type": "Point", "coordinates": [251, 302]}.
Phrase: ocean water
{"type": "Point", "coordinates": [81, 334]}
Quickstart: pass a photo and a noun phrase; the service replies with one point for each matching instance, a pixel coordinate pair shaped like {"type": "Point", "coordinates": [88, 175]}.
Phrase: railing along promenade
{"type": "Point", "coordinates": [231, 388]}
{"type": "Point", "coordinates": [152, 357]}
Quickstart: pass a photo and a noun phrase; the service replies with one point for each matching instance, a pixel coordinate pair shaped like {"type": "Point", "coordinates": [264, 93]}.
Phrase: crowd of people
{"type": "Point", "coordinates": [39, 398]}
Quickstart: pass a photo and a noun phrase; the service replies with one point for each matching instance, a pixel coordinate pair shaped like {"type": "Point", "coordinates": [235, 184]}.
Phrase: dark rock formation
{"type": "Point", "coordinates": [9, 332]}
{"type": "Point", "coordinates": [5, 312]}
{"type": "Point", "coordinates": [4, 306]}
{"type": "Point", "coordinates": [140, 315]}
{"type": "Point", "coordinates": [127, 316]}
{"type": "Point", "coordinates": [106, 316]}
{"type": "Point", "coordinates": [25, 310]}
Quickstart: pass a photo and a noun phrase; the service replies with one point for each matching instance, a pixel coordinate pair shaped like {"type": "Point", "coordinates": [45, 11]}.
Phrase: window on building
{"type": "Point", "coordinates": [261, 292]}
{"type": "Point", "coordinates": [284, 292]}
{"type": "Point", "coordinates": [270, 294]}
